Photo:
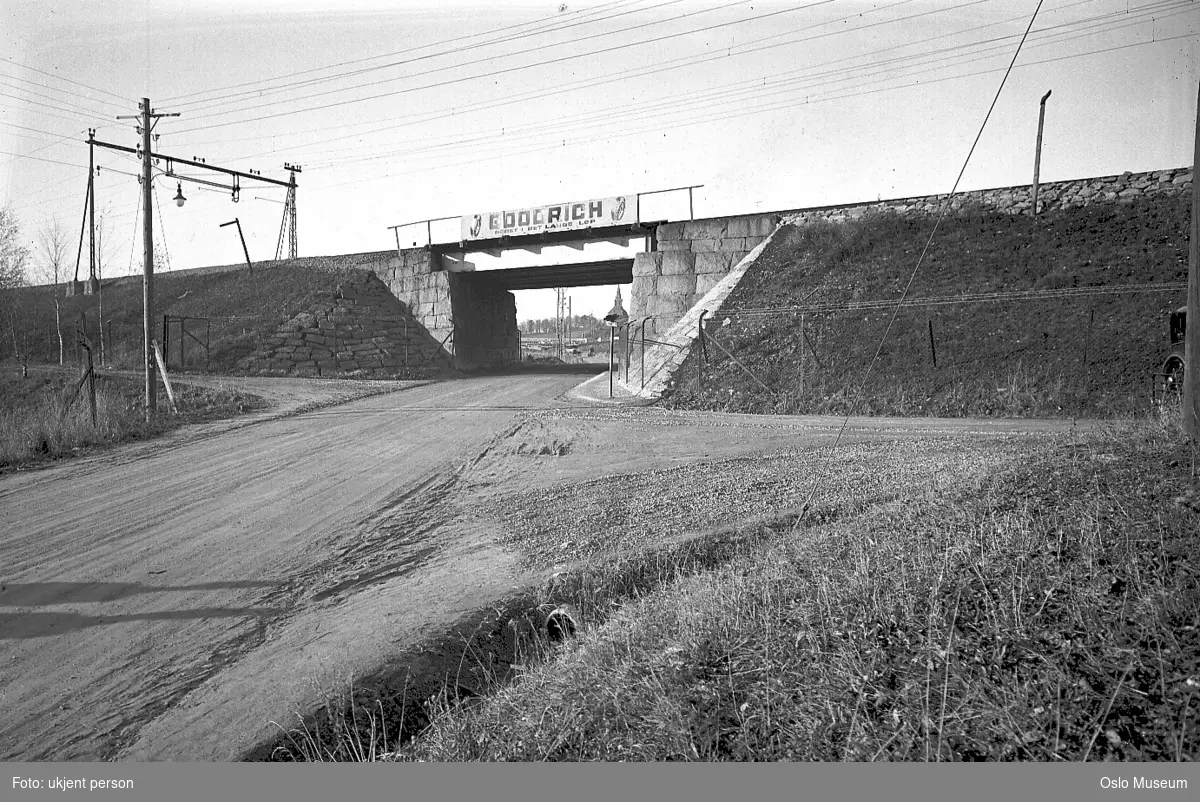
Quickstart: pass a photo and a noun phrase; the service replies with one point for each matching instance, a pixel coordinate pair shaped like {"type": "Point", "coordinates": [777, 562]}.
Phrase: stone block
{"type": "Point", "coordinates": [737, 227]}
{"type": "Point", "coordinates": [709, 263]}
{"type": "Point", "coordinates": [647, 264]}
{"type": "Point", "coordinates": [643, 287]}
{"type": "Point", "coordinates": [680, 284]}
{"type": "Point", "coordinates": [706, 245]}
{"type": "Point", "coordinates": [669, 232]}
{"type": "Point", "coordinates": [347, 364]}
{"type": "Point", "coordinates": [704, 229]}
{"type": "Point", "coordinates": [704, 283]}
{"type": "Point", "coordinates": [675, 245]}
{"type": "Point", "coordinates": [731, 244]}
{"type": "Point", "coordinates": [678, 262]}
{"type": "Point", "coordinates": [762, 225]}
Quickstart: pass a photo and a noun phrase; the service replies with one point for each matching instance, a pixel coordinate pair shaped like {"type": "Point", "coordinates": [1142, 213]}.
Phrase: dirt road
{"type": "Point", "coordinates": [176, 601]}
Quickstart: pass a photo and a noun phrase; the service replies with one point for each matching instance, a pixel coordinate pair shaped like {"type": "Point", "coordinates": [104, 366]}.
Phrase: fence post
{"type": "Point", "coordinates": [932, 344]}
{"type": "Point", "coordinates": [802, 344]}
{"type": "Point", "coordinates": [1087, 367]}
{"type": "Point", "coordinates": [645, 320]}
{"type": "Point", "coordinates": [612, 350]}
{"type": "Point", "coordinates": [703, 353]}
{"type": "Point", "coordinates": [91, 376]}
{"type": "Point", "coordinates": [625, 332]}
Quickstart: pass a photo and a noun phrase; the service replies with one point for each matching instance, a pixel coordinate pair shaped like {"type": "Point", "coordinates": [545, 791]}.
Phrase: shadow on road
{"type": "Point", "coordinates": [32, 594]}
{"type": "Point", "coordinates": [17, 626]}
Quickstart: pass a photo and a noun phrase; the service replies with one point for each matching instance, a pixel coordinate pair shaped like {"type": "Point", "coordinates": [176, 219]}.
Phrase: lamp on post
{"type": "Point", "coordinates": [179, 199]}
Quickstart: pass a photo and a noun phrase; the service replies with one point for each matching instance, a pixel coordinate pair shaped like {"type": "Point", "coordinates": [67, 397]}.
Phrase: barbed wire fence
{"type": "Point", "coordinates": [1081, 349]}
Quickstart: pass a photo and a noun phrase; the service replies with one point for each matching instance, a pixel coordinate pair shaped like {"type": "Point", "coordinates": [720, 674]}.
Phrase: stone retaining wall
{"type": "Point", "coordinates": [1018, 200]}
{"type": "Point", "coordinates": [360, 329]}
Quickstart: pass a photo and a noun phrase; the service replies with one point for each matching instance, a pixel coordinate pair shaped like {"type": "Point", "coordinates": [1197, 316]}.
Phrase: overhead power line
{"type": "Point", "coordinates": [121, 98]}
{"type": "Point", "coordinates": [709, 119]}
{"type": "Point", "coordinates": [740, 91]}
{"type": "Point", "coordinates": [38, 159]}
{"type": "Point", "coordinates": [595, 81]}
{"type": "Point", "coordinates": [679, 63]}
{"type": "Point", "coordinates": [256, 95]}
{"type": "Point", "coordinates": [55, 97]}
{"type": "Point", "coordinates": [52, 107]}
{"type": "Point", "coordinates": [184, 100]}
{"type": "Point", "coordinates": [503, 71]}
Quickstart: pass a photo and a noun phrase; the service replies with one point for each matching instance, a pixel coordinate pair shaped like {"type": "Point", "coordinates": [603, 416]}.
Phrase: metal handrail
{"type": "Point", "coordinates": [428, 228]}
{"type": "Point", "coordinates": [642, 372]}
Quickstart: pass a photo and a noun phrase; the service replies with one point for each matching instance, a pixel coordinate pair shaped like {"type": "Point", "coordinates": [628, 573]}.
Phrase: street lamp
{"type": "Point", "coordinates": [179, 199]}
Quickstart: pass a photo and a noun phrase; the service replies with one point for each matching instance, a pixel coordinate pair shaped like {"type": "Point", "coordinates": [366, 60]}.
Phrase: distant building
{"type": "Point", "coordinates": [617, 316]}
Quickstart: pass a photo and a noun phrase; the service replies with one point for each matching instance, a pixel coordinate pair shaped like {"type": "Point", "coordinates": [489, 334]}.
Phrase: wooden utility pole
{"type": "Point", "coordinates": [146, 119]}
{"type": "Point", "coordinates": [1037, 156]}
{"type": "Point", "coordinates": [1191, 338]}
{"type": "Point", "coordinates": [148, 267]}
{"type": "Point", "coordinates": [91, 286]}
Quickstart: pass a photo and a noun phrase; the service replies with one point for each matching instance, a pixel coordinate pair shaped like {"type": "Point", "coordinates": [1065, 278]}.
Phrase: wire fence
{"type": "Point", "coordinates": [1085, 351]}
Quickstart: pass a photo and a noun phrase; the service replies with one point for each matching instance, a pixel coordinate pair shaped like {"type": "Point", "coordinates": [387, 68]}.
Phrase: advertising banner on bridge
{"type": "Point", "coordinates": [593, 213]}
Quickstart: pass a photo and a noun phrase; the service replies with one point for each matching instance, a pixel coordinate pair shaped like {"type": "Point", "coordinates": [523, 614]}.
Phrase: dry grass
{"type": "Point", "coordinates": [1050, 615]}
{"type": "Point", "coordinates": [41, 420]}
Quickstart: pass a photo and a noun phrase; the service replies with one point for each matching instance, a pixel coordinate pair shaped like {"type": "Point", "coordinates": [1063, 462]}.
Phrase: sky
{"type": "Point", "coordinates": [402, 111]}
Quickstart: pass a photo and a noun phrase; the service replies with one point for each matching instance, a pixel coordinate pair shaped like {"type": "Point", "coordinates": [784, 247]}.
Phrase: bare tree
{"type": "Point", "coordinates": [54, 251]}
{"type": "Point", "coordinates": [14, 257]}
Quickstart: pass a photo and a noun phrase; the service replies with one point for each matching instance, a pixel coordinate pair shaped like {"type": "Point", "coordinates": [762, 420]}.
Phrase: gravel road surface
{"type": "Point", "coordinates": [181, 600]}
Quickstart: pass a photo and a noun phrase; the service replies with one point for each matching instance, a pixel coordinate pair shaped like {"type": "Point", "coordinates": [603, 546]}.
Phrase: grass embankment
{"type": "Point", "coordinates": [39, 422]}
{"type": "Point", "coordinates": [1039, 356]}
{"type": "Point", "coordinates": [1051, 613]}
{"type": "Point", "coordinates": [241, 309]}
